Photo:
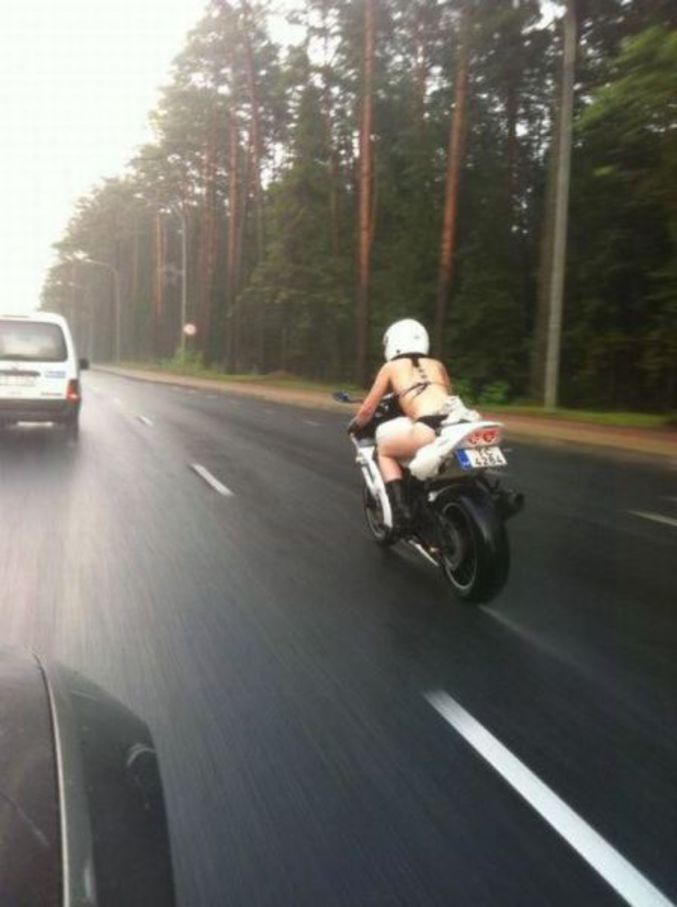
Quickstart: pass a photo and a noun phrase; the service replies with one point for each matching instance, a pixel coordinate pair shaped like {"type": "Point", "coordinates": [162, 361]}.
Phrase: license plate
{"type": "Point", "coordinates": [17, 380]}
{"type": "Point", "coordinates": [481, 457]}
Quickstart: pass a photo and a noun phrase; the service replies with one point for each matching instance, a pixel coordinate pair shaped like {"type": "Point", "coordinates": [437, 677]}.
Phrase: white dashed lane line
{"type": "Point", "coordinates": [145, 420]}
{"type": "Point", "coordinates": [655, 517]}
{"type": "Point", "coordinates": [630, 884]}
{"type": "Point", "coordinates": [211, 480]}
{"type": "Point", "coordinates": [310, 422]}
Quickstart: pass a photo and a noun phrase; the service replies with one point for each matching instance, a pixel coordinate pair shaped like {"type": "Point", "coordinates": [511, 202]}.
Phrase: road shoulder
{"type": "Point", "coordinates": [633, 443]}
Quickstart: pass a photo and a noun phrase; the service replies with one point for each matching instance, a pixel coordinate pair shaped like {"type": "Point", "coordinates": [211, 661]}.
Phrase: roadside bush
{"type": "Point", "coordinates": [463, 387]}
{"type": "Point", "coordinates": [495, 394]}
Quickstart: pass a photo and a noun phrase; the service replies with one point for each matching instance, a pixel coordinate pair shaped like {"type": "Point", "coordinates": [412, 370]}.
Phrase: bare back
{"type": "Point", "coordinates": [409, 383]}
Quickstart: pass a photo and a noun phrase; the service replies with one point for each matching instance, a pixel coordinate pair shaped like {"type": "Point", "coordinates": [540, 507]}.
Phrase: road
{"type": "Point", "coordinates": [284, 662]}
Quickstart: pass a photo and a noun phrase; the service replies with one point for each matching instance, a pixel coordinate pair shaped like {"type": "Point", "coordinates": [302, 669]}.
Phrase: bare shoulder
{"type": "Point", "coordinates": [395, 367]}
{"type": "Point", "coordinates": [386, 371]}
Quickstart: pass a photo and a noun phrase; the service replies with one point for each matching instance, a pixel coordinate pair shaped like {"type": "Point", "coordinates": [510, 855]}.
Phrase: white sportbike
{"type": "Point", "coordinates": [458, 506]}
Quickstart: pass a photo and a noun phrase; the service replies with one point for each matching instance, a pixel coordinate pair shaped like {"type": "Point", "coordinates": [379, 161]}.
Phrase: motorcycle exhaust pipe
{"type": "Point", "coordinates": [509, 503]}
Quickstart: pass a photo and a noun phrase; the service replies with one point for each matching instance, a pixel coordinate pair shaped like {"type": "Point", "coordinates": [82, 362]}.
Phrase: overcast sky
{"type": "Point", "coordinates": [77, 80]}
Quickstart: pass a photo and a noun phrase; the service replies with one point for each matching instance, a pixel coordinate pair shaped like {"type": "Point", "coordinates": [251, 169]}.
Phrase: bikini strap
{"type": "Point", "coordinates": [421, 385]}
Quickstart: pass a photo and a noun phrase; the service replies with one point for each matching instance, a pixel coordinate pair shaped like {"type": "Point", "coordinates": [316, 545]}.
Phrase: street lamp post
{"type": "Point", "coordinates": [184, 276]}
{"type": "Point", "coordinates": [73, 309]}
{"type": "Point", "coordinates": [184, 280]}
{"type": "Point", "coordinates": [116, 286]}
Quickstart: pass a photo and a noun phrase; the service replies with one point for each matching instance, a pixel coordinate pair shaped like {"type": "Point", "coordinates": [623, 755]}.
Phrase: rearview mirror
{"type": "Point", "coordinates": [83, 781]}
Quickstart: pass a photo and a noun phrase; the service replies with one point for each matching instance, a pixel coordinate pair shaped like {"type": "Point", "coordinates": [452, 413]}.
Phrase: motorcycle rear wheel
{"type": "Point", "coordinates": [475, 566]}
{"type": "Point", "coordinates": [373, 512]}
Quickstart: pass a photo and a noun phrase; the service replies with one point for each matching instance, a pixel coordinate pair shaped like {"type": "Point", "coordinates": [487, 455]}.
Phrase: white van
{"type": "Point", "coordinates": [39, 371]}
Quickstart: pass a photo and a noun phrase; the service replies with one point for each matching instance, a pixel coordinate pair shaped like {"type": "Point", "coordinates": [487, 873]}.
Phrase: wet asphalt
{"type": "Point", "coordinates": [283, 661]}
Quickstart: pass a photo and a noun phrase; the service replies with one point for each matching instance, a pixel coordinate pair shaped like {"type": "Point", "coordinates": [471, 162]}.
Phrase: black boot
{"type": "Point", "coordinates": [398, 502]}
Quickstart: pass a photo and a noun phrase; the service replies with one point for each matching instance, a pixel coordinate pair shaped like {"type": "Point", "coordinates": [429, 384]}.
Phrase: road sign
{"type": "Point", "coordinates": [189, 329]}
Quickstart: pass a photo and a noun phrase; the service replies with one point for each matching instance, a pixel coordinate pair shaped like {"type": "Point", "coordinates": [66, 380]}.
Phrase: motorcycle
{"type": "Point", "coordinates": [459, 508]}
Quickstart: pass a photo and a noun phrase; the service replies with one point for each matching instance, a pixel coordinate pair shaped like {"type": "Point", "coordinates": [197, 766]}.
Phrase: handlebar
{"type": "Point", "coordinates": [388, 408]}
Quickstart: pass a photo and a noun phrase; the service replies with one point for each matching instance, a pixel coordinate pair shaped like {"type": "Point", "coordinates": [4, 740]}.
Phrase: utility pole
{"type": "Point", "coordinates": [366, 194]}
{"type": "Point", "coordinates": [554, 336]}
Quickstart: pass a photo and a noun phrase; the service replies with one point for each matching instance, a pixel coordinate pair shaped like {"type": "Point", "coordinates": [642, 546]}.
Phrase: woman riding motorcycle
{"type": "Point", "coordinates": [423, 390]}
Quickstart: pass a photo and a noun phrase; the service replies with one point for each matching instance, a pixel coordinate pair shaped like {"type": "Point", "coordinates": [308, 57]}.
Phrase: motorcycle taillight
{"type": "Point", "coordinates": [491, 435]}
{"type": "Point", "coordinates": [486, 437]}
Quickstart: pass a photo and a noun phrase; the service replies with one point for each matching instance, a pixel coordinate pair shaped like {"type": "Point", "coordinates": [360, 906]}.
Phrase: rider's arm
{"type": "Point", "coordinates": [371, 401]}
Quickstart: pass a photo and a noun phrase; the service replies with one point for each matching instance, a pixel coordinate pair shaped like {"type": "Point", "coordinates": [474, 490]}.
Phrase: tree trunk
{"type": "Point", "coordinates": [135, 346]}
{"type": "Point", "coordinates": [232, 264]}
{"type": "Point", "coordinates": [454, 161]}
{"type": "Point", "coordinates": [421, 64]}
{"type": "Point", "coordinates": [511, 150]}
{"type": "Point", "coordinates": [255, 129]}
{"type": "Point", "coordinates": [236, 313]}
{"type": "Point", "coordinates": [328, 112]}
{"type": "Point", "coordinates": [159, 284]}
{"type": "Point", "coordinates": [366, 176]}
{"type": "Point", "coordinates": [208, 240]}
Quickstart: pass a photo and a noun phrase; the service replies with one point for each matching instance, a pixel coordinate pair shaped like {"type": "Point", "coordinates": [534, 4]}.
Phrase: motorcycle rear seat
{"type": "Point", "coordinates": [428, 460]}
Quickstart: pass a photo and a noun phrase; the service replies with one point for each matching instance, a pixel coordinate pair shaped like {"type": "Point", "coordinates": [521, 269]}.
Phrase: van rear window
{"type": "Point", "coordinates": [32, 341]}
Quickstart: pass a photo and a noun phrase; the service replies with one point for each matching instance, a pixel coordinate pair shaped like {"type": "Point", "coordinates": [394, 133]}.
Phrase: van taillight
{"type": "Point", "coordinates": [73, 392]}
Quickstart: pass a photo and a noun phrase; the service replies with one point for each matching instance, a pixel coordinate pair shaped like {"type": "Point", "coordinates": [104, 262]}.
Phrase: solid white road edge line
{"type": "Point", "coordinates": [145, 420]}
{"type": "Point", "coordinates": [655, 517]}
{"type": "Point", "coordinates": [211, 480]}
{"type": "Point", "coordinates": [630, 884]}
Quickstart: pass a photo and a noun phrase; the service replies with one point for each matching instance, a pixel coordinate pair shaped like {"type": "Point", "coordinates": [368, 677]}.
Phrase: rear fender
{"type": "Point", "coordinates": [482, 509]}
{"type": "Point", "coordinates": [430, 458]}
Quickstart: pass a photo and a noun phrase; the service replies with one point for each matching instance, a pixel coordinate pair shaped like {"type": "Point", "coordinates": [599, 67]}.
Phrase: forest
{"type": "Point", "coordinates": [397, 158]}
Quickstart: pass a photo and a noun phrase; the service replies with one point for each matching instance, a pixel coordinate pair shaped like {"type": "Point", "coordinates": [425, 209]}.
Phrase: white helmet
{"type": "Point", "coordinates": [406, 337]}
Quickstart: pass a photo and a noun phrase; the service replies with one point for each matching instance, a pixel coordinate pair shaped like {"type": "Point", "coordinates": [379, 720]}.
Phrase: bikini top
{"type": "Point", "coordinates": [418, 386]}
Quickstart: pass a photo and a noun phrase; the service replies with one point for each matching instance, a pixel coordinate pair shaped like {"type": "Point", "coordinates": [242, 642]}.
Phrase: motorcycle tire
{"type": "Point", "coordinates": [474, 549]}
{"type": "Point", "coordinates": [373, 513]}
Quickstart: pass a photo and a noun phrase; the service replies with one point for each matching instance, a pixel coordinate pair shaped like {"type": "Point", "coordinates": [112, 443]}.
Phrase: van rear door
{"type": "Point", "coordinates": [34, 360]}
